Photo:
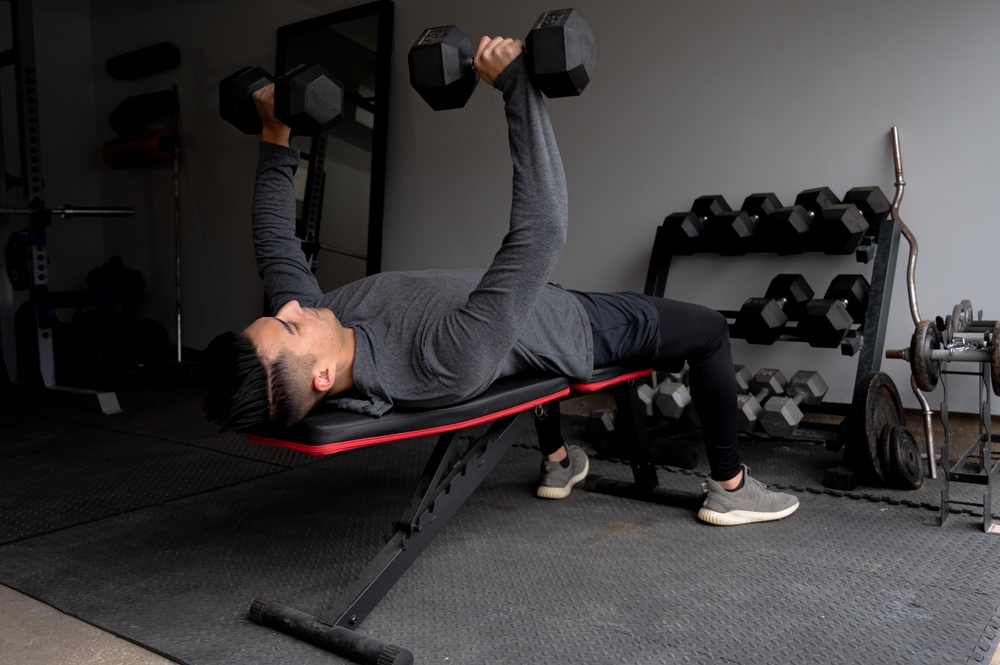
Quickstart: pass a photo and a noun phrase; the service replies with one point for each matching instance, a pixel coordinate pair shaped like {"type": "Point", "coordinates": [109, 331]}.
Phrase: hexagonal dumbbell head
{"type": "Point", "coordinates": [841, 228]}
{"type": "Point", "coordinates": [807, 386]}
{"type": "Point", "coordinates": [646, 394]}
{"type": "Point", "coordinates": [730, 231]}
{"type": "Point", "coordinates": [765, 383]}
{"type": "Point", "coordinates": [671, 399]}
{"type": "Point", "coordinates": [825, 323]}
{"type": "Point", "coordinates": [743, 379]}
{"type": "Point", "coordinates": [709, 207]}
{"type": "Point", "coordinates": [441, 68]}
{"type": "Point", "coordinates": [853, 291]}
{"type": "Point", "coordinates": [787, 229]}
{"type": "Point", "coordinates": [872, 203]}
{"type": "Point", "coordinates": [236, 98]}
{"type": "Point", "coordinates": [793, 291]}
{"type": "Point", "coordinates": [781, 415]}
{"type": "Point", "coordinates": [768, 381]}
{"type": "Point", "coordinates": [761, 320]}
{"type": "Point", "coordinates": [814, 200]}
{"type": "Point", "coordinates": [747, 413]}
{"type": "Point", "coordinates": [560, 53]}
{"type": "Point", "coordinates": [682, 230]}
{"type": "Point", "coordinates": [308, 99]}
{"type": "Point", "coordinates": [759, 206]}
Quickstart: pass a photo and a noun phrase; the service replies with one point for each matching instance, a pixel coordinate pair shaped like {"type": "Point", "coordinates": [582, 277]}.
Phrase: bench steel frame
{"type": "Point", "coordinates": [453, 471]}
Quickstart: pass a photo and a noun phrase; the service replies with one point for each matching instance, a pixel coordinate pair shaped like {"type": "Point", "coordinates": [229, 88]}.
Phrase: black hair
{"type": "Point", "coordinates": [243, 392]}
{"type": "Point", "coordinates": [237, 395]}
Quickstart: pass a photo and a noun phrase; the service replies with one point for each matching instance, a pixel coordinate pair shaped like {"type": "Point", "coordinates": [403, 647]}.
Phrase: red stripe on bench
{"type": "Point", "coordinates": [600, 385]}
{"type": "Point", "coordinates": [343, 446]}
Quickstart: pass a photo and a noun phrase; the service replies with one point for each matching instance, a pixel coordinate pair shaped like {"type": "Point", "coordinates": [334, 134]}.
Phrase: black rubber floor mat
{"type": "Point", "coordinates": [54, 475]}
{"type": "Point", "coordinates": [514, 579]}
{"type": "Point", "coordinates": [167, 412]}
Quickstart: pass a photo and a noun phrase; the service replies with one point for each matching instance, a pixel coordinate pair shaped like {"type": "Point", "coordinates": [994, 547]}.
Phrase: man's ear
{"type": "Point", "coordinates": [324, 376]}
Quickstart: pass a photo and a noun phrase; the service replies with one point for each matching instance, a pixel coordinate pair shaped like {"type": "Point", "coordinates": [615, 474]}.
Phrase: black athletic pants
{"type": "Point", "coordinates": [637, 330]}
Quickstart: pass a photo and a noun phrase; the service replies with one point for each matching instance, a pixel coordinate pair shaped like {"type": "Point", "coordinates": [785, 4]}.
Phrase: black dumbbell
{"type": "Point", "coordinates": [827, 321]}
{"type": "Point", "coordinates": [872, 203]}
{"type": "Point", "coordinates": [731, 229]}
{"type": "Point", "coordinates": [840, 226]}
{"type": "Point", "coordinates": [762, 320]}
{"type": "Point", "coordinates": [816, 213]}
{"type": "Point", "coordinates": [307, 98]}
{"type": "Point", "coordinates": [559, 52]}
{"type": "Point", "coordinates": [683, 229]}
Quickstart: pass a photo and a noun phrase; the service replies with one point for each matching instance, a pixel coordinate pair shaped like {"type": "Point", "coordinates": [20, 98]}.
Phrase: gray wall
{"type": "Point", "coordinates": [724, 97]}
{"type": "Point", "coordinates": [689, 98]}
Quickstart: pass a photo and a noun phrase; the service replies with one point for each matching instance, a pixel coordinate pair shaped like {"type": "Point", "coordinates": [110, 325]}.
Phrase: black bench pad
{"type": "Point", "coordinates": [328, 430]}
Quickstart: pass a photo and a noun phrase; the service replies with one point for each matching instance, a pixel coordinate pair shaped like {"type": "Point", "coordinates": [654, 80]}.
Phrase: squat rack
{"type": "Point", "coordinates": [35, 238]}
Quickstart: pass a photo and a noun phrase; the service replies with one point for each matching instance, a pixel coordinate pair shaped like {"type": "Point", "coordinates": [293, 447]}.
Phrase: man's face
{"type": "Point", "coordinates": [296, 329]}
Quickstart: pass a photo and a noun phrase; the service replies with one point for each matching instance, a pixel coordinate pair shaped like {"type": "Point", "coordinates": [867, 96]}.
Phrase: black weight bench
{"type": "Point", "coordinates": [453, 471]}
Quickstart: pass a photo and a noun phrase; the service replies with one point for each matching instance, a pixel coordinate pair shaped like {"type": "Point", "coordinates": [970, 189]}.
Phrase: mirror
{"type": "Point", "coordinates": [340, 184]}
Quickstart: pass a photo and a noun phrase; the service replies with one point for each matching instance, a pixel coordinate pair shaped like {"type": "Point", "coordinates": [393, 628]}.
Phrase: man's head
{"type": "Point", "coordinates": [278, 368]}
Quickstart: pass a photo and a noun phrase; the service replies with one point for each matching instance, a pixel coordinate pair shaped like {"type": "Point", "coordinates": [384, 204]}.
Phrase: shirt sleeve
{"type": "Point", "coordinates": [280, 261]}
{"type": "Point", "coordinates": [465, 348]}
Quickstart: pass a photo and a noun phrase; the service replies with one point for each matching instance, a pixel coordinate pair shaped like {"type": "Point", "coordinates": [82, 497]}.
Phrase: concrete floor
{"type": "Point", "coordinates": [33, 633]}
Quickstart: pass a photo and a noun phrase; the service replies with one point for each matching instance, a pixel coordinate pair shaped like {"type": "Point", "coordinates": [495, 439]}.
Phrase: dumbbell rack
{"type": "Point", "coordinates": [880, 248]}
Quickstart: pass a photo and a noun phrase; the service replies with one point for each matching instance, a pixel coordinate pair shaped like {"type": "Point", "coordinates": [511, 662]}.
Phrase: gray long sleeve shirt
{"type": "Point", "coordinates": [437, 337]}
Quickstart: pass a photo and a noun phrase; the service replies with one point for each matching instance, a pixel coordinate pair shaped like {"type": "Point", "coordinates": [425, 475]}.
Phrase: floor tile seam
{"type": "Point", "coordinates": [990, 637]}
{"type": "Point", "coordinates": [167, 440]}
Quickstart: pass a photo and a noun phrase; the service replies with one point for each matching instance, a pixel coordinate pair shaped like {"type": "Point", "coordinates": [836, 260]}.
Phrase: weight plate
{"type": "Point", "coordinates": [925, 339]}
{"type": "Point", "coordinates": [889, 469]}
{"type": "Point", "coordinates": [904, 457]}
{"type": "Point", "coordinates": [961, 316]}
{"type": "Point", "coordinates": [995, 358]}
{"type": "Point", "coordinates": [875, 408]}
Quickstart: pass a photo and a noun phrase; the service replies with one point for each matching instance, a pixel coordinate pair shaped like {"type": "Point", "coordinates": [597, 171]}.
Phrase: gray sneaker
{"type": "Point", "coordinates": [751, 503]}
{"type": "Point", "coordinates": [558, 482]}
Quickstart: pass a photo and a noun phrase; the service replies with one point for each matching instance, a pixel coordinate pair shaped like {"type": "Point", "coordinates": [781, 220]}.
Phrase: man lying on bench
{"type": "Point", "coordinates": [433, 338]}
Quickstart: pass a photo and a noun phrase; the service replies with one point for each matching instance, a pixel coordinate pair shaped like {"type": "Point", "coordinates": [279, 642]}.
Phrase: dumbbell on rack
{"type": "Point", "coordinates": [827, 321]}
{"type": "Point", "coordinates": [684, 230]}
{"type": "Point", "coordinates": [762, 320]}
{"type": "Point", "coordinates": [307, 98]}
{"type": "Point", "coordinates": [782, 414]}
{"type": "Point", "coordinates": [766, 383]}
{"type": "Point", "coordinates": [559, 51]}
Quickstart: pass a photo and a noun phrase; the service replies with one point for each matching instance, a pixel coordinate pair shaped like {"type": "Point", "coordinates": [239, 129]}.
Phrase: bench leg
{"type": "Point", "coordinates": [449, 479]}
{"type": "Point", "coordinates": [632, 436]}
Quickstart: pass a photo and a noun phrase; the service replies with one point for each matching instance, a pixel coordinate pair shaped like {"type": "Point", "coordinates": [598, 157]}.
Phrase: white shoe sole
{"type": "Point", "coordinates": [735, 517]}
{"type": "Point", "coordinates": [546, 492]}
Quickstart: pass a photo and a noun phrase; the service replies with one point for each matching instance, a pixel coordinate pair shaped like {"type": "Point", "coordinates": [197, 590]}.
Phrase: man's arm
{"type": "Point", "coordinates": [467, 347]}
{"type": "Point", "coordinates": [280, 261]}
